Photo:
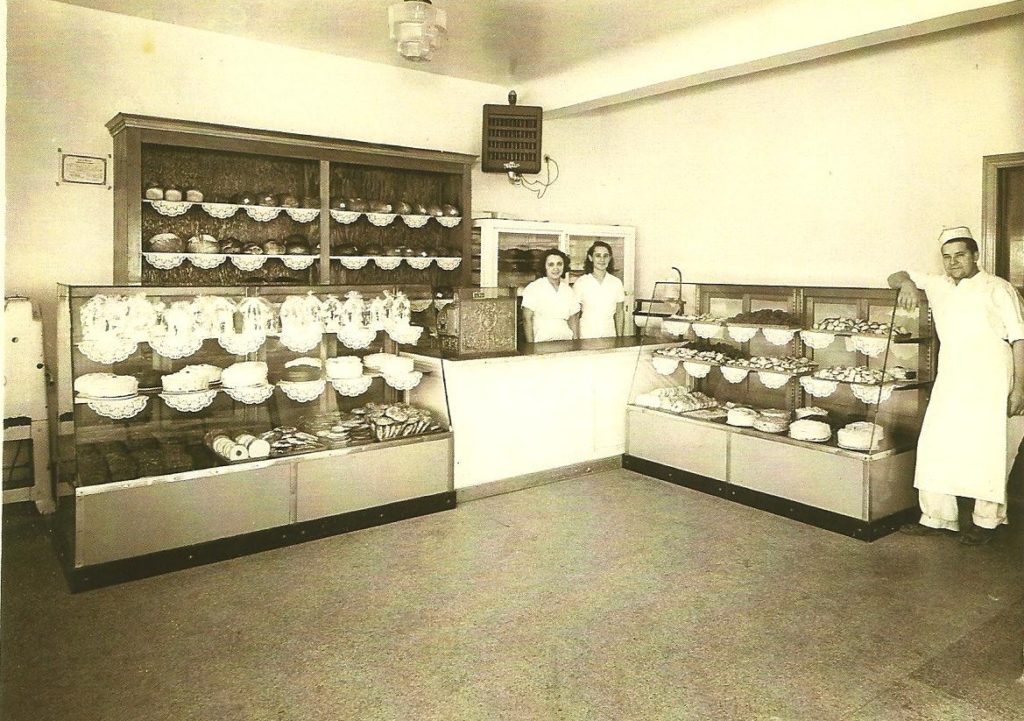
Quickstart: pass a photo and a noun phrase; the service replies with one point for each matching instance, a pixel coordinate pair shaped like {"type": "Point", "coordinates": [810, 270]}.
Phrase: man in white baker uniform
{"type": "Point", "coordinates": [967, 443]}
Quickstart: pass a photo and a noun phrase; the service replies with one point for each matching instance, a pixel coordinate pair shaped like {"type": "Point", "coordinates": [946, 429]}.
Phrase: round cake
{"type": "Point", "coordinates": [244, 374]}
{"type": "Point", "coordinates": [861, 436]}
{"type": "Point", "coordinates": [188, 379]}
{"type": "Point", "coordinates": [106, 385]}
{"type": "Point", "coordinates": [299, 374]}
{"type": "Point", "coordinates": [349, 366]}
{"type": "Point", "coordinates": [741, 416]}
{"type": "Point", "coordinates": [772, 420]}
{"type": "Point", "coordinates": [810, 412]}
{"type": "Point", "coordinates": [376, 361]}
{"type": "Point", "coordinates": [397, 365]}
{"type": "Point", "coordinates": [808, 430]}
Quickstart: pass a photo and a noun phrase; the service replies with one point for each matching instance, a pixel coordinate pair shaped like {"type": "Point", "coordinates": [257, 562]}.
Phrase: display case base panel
{"type": "Point", "coordinates": [828, 520]}
{"type": "Point", "coordinates": [153, 564]}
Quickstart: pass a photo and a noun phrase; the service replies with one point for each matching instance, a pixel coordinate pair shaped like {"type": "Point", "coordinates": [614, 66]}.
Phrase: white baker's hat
{"type": "Point", "coordinates": [960, 231]}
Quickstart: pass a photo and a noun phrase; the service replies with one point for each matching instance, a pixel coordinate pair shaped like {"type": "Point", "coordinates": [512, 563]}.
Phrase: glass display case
{"type": "Point", "coordinates": [803, 400]}
{"type": "Point", "coordinates": [193, 415]}
{"type": "Point", "coordinates": [509, 253]}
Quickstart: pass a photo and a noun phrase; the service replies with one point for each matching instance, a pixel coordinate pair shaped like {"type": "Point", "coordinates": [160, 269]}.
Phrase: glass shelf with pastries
{"type": "Point", "coordinates": [153, 373]}
{"type": "Point", "coordinates": [757, 369]}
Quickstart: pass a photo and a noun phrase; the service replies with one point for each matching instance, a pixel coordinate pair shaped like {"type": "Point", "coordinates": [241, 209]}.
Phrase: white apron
{"type": "Point", "coordinates": [598, 300]}
{"type": "Point", "coordinates": [963, 448]}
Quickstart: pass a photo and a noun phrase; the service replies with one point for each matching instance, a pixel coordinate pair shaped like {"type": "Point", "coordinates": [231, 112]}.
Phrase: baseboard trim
{"type": "Point", "coordinates": [827, 520]}
{"type": "Point", "coordinates": [152, 564]}
{"type": "Point", "coordinates": [541, 478]}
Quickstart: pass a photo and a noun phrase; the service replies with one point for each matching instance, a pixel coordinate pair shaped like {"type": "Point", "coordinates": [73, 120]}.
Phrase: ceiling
{"type": "Point", "coordinates": [495, 41]}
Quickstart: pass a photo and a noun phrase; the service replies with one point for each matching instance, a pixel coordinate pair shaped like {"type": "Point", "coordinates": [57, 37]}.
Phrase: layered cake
{"type": "Point", "coordinates": [772, 420]}
{"type": "Point", "coordinates": [244, 374]}
{"type": "Point", "coordinates": [861, 436]}
{"type": "Point", "coordinates": [299, 374]}
{"type": "Point", "coordinates": [348, 366]}
{"type": "Point", "coordinates": [809, 430]}
{"type": "Point", "coordinates": [741, 416]}
{"type": "Point", "coordinates": [106, 385]}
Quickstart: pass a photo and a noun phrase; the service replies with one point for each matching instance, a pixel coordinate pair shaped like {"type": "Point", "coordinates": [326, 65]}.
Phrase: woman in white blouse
{"type": "Point", "coordinates": [550, 309]}
{"type": "Point", "coordinates": [601, 295]}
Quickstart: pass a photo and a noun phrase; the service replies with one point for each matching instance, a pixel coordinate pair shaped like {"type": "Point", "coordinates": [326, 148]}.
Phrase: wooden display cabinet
{"type": "Point", "coordinates": [344, 248]}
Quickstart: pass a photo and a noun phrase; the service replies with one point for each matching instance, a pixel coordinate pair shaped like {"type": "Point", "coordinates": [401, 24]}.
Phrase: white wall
{"type": "Point", "coordinates": [72, 69]}
{"type": "Point", "coordinates": [832, 172]}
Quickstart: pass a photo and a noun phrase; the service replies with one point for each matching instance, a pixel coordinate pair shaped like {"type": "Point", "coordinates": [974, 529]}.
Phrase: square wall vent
{"type": "Point", "coordinates": [511, 138]}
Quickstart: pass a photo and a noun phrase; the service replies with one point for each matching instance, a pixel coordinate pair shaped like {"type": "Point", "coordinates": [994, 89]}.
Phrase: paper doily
{"type": "Point", "coordinates": [697, 370]}
{"type": "Point", "coordinates": [303, 391]}
{"type": "Point", "coordinates": [251, 394]}
{"type": "Point", "coordinates": [818, 387]}
{"type": "Point", "coordinates": [665, 366]}
{"type": "Point", "coordinates": [771, 379]}
{"type": "Point", "coordinates": [352, 387]}
{"type": "Point", "coordinates": [119, 409]}
{"type": "Point", "coordinates": [741, 334]}
{"type": "Point", "coordinates": [404, 381]}
{"type": "Point", "coordinates": [817, 339]}
{"type": "Point", "coordinates": [734, 375]}
{"type": "Point", "coordinates": [189, 402]}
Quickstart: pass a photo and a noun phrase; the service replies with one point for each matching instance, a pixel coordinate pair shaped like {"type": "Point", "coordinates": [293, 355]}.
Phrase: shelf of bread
{"type": "Point", "coordinates": [223, 211]}
{"type": "Point", "coordinates": [809, 426]}
{"type": "Point", "coordinates": [390, 262]}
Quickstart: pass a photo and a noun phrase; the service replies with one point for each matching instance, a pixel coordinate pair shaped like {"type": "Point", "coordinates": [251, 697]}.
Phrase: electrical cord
{"type": "Point", "coordinates": [537, 187]}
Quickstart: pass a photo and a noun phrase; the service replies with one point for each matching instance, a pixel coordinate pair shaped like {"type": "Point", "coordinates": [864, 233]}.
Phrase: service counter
{"type": "Point", "coordinates": [546, 407]}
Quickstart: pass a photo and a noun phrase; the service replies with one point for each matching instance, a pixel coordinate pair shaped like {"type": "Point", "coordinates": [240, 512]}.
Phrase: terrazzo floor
{"type": "Point", "coordinates": [611, 596]}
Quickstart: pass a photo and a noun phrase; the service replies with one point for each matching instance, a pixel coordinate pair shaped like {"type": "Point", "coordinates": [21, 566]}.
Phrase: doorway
{"type": "Point", "coordinates": [1002, 230]}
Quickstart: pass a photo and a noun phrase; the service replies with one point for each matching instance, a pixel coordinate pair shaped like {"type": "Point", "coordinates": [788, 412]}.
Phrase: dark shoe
{"type": "Point", "coordinates": [977, 536]}
{"type": "Point", "coordinates": [916, 529]}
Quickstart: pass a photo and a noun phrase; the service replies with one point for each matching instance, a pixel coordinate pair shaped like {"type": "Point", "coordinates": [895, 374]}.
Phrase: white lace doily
{"type": "Point", "coordinates": [206, 261]}
{"type": "Point", "coordinates": [872, 395]}
{"type": "Point", "coordinates": [817, 339]}
{"type": "Point", "coordinates": [675, 327]}
{"type": "Point", "coordinates": [164, 261]}
{"type": "Point", "coordinates": [818, 387]}
{"type": "Point", "coordinates": [189, 402]}
{"type": "Point", "coordinates": [221, 211]}
{"type": "Point", "coordinates": [696, 370]}
{"type": "Point", "coordinates": [771, 379]}
{"type": "Point", "coordinates": [381, 219]}
{"type": "Point", "coordinates": [708, 330]}
{"type": "Point", "coordinates": [448, 263]}
{"type": "Point", "coordinates": [664, 366]}
{"type": "Point", "coordinates": [403, 381]}
{"type": "Point", "coordinates": [778, 336]}
{"type": "Point", "coordinates": [419, 263]}
{"type": "Point", "coordinates": [448, 221]}
{"type": "Point", "coordinates": [734, 375]}
{"type": "Point", "coordinates": [415, 221]}
{"type": "Point", "coordinates": [345, 216]}
{"type": "Point", "coordinates": [119, 409]}
{"type": "Point", "coordinates": [302, 215]}
{"type": "Point", "coordinates": [251, 394]}
{"type": "Point", "coordinates": [241, 343]}
{"type": "Point", "coordinates": [352, 262]}
{"type": "Point", "coordinates": [303, 391]}
{"type": "Point", "coordinates": [108, 349]}
{"type": "Point", "coordinates": [262, 213]}
{"type": "Point", "coordinates": [248, 262]}
{"type": "Point", "coordinates": [352, 387]}
{"type": "Point", "coordinates": [176, 346]}
{"type": "Point", "coordinates": [387, 262]}
{"type": "Point", "coordinates": [171, 208]}
{"type": "Point", "coordinates": [298, 262]}
{"type": "Point", "coordinates": [741, 334]}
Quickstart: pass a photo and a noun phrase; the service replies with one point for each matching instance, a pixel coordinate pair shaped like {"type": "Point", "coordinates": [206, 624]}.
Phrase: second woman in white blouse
{"type": "Point", "coordinates": [601, 295]}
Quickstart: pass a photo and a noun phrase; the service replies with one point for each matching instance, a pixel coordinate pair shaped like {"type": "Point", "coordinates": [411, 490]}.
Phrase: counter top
{"type": "Point", "coordinates": [529, 350]}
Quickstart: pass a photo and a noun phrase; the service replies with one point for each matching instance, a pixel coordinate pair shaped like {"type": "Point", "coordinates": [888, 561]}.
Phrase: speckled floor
{"type": "Point", "coordinates": [612, 596]}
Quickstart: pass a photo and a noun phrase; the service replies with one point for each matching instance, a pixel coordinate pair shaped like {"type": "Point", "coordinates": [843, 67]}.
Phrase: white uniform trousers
{"type": "Point", "coordinates": [939, 510]}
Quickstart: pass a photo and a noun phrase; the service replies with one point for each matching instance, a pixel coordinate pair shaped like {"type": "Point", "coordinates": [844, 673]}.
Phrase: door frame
{"type": "Point", "coordinates": [991, 166]}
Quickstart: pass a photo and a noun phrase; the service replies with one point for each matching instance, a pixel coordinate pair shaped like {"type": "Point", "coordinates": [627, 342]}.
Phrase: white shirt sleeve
{"type": "Point", "coordinates": [1009, 309]}
{"type": "Point", "coordinates": [531, 297]}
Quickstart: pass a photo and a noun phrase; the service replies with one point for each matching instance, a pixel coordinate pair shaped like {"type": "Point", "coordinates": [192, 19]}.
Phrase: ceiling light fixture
{"type": "Point", "coordinates": [418, 28]}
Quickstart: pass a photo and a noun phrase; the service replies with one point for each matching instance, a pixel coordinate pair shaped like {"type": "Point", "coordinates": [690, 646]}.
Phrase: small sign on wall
{"type": "Point", "coordinates": [82, 169]}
